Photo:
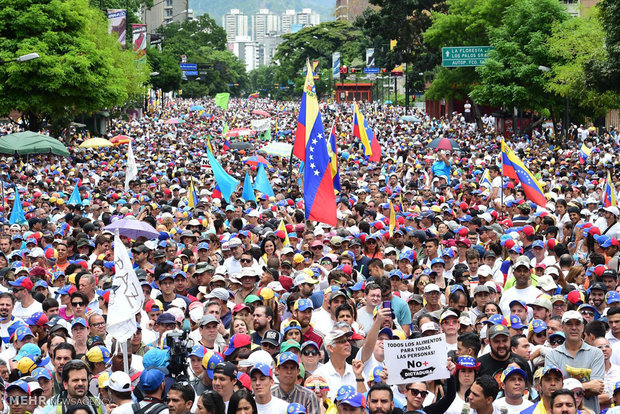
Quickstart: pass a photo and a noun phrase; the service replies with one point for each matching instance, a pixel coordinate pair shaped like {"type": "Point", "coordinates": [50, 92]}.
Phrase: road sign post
{"type": "Point", "coordinates": [464, 56]}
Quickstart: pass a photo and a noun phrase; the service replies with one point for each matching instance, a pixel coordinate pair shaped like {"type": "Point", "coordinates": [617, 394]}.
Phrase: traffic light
{"type": "Point", "coordinates": [354, 70]}
{"type": "Point", "coordinates": [383, 70]}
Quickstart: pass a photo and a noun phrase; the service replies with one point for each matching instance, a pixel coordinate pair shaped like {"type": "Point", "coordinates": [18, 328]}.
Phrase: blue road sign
{"type": "Point", "coordinates": [371, 70]}
{"type": "Point", "coordinates": [188, 66]}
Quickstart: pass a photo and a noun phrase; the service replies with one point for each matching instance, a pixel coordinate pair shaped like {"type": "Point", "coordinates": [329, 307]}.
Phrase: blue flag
{"type": "Point", "coordinates": [225, 182]}
{"type": "Point", "coordinates": [17, 212]}
{"type": "Point", "coordinates": [75, 199]}
{"type": "Point", "coordinates": [262, 182]}
{"type": "Point", "coordinates": [248, 190]}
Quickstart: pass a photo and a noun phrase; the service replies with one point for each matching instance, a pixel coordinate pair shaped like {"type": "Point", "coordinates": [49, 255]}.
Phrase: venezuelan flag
{"type": "Point", "coordinates": [253, 95]}
{"type": "Point", "coordinates": [226, 145]}
{"type": "Point", "coordinates": [584, 153]}
{"type": "Point", "coordinates": [333, 157]}
{"type": "Point", "coordinates": [319, 197]}
{"type": "Point", "coordinates": [485, 179]}
{"type": "Point", "coordinates": [192, 201]}
{"type": "Point", "coordinates": [531, 187]}
{"type": "Point", "coordinates": [362, 131]}
{"type": "Point", "coordinates": [610, 193]}
{"type": "Point", "coordinates": [507, 167]}
{"type": "Point", "coordinates": [392, 219]}
{"type": "Point", "coordinates": [309, 121]}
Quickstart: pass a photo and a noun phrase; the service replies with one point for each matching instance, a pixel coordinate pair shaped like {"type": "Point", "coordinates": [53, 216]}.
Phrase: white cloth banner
{"type": "Point", "coordinates": [260, 125]}
{"type": "Point", "coordinates": [132, 168]}
{"type": "Point", "coordinates": [416, 360]}
{"type": "Point", "coordinates": [126, 298]}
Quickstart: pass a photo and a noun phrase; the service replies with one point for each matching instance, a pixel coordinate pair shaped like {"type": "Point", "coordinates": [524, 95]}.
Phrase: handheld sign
{"type": "Point", "coordinates": [416, 360]}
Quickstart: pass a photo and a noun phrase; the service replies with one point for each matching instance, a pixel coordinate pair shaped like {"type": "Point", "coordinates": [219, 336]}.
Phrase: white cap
{"type": "Point", "coordinates": [36, 252]}
{"type": "Point", "coordinates": [120, 382]}
{"type": "Point", "coordinates": [570, 315]}
{"type": "Point", "coordinates": [179, 303]}
{"type": "Point", "coordinates": [613, 210]}
{"type": "Point", "coordinates": [431, 287]}
{"type": "Point", "coordinates": [484, 271]}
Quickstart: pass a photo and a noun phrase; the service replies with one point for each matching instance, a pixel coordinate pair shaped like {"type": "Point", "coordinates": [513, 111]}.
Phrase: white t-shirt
{"type": "Point", "coordinates": [512, 409]}
{"type": "Point", "coordinates": [526, 295]}
{"type": "Point", "coordinates": [275, 406]}
{"type": "Point", "coordinates": [24, 313]}
{"type": "Point", "coordinates": [123, 409]}
{"type": "Point", "coordinates": [456, 407]}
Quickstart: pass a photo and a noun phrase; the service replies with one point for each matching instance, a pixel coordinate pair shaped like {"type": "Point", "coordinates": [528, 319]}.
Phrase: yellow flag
{"type": "Point", "coordinates": [282, 227]}
{"type": "Point", "coordinates": [392, 219]}
{"type": "Point", "coordinates": [209, 144]}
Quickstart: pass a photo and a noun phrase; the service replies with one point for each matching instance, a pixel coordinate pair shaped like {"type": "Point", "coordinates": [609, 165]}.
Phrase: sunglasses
{"type": "Point", "coordinates": [310, 353]}
{"type": "Point", "coordinates": [540, 334]}
{"type": "Point", "coordinates": [77, 303]}
{"type": "Point", "coordinates": [578, 393]}
{"type": "Point", "coordinates": [416, 392]}
{"type": "Point", "coordinates": [322, 386]}
{"type": "Point", "coordinates": [585, 312]}
{"type": "Point", "coordinates": [556, 341]}
{"type": "Point", "coordinates": [246, 261]}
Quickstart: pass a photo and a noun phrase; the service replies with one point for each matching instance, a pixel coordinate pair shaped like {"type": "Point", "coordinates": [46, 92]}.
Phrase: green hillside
{"type": "Point", "coordinates": [217, 9]}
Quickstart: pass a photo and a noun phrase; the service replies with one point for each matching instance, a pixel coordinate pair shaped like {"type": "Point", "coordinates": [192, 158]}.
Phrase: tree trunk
{"type": "Point", "coordinates": [555, 126]}
{"type": "Point", "coordinates": [476, 109]}
{"type": "Point", "coordinates": [533, 125]}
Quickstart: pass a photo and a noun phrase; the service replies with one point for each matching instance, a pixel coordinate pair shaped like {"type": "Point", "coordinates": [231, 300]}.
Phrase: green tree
{"type": "Point", "coordinates": [223, 70]}
{"type": "Point", "coordinates": [511, 76]}
{"type": "Point", "coordinates": [575, 43]}
{"type": "Point", "coordinates": [466, 23]}
{"type": "Point", "coordinates": [133, 8]}
{"type": "Point", "coordinates": [183, 38]}
{"type": "Point", "coordinates": [317, 43]}
{"type": "Point", "coordinates": [604, 73]}
{"type": "Point", "coordinates": [265, 80]}
{"type": "Point", "coordinates": [81, 68]}
{"type": "Point", "coordinates": [164, 63]}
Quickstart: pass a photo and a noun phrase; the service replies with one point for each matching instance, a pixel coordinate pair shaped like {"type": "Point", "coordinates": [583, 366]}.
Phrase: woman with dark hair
{"type": "Point", "coordinates": [210, 402]}
{"type": "Point", "coordinates": [242, 402]}
{"type": "Point", "coordinates": [372, 248]}
{"type": "Point", "coordinates": [466, 373]}
{"type": "Point", "coordinates": [79, 409]}
{"type": "Point", "coordinates": [491, 308]}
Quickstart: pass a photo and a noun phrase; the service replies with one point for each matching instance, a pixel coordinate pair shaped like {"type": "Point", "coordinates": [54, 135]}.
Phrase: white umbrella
{"type": "Point", "coordinates": [279, 149]}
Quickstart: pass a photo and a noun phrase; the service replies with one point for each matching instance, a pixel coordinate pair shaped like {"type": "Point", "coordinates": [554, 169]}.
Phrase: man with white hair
{"type": "Point", "coordinates": [337, 371]}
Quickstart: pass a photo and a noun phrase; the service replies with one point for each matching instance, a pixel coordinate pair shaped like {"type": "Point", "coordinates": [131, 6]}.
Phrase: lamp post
{"type": "Point", "coordinates": [22, 58]}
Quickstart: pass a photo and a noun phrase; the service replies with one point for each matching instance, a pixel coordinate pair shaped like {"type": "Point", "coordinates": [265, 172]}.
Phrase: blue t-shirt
{"type": "Point", "coordinates": [440, 168]}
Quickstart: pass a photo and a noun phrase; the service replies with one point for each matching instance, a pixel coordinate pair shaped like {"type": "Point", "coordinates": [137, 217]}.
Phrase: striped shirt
{"type": "Point", "coordinates": [299, 395]}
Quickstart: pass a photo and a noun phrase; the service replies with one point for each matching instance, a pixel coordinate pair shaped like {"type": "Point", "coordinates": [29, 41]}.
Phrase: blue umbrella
{"type": "Point", "coordinates": [197, 108]}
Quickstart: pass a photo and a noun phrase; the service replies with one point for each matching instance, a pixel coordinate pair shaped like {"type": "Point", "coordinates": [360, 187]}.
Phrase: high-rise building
{"type": "Point", "coordinates": [246, 50]}
{"type": "Point", "coordinates": [265, 23]}
{"type": "Point", "coordinates": [307, 17]}
{"type": "Point", "coordinates": [267, 49]}
{"type": "Point", "coordinates": [289, 18]}
{"type": "Point", "coordinates": [164, 12]}
{"type": "Point", "coordinates": [235, 24]}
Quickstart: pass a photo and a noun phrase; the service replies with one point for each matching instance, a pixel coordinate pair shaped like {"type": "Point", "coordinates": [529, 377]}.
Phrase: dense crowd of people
{"type": "Point", "coordinates": [277, 314]}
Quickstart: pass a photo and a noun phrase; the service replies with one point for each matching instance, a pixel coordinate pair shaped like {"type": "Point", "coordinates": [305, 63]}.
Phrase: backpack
{"type": "Point", "coordinates": [151, 408]}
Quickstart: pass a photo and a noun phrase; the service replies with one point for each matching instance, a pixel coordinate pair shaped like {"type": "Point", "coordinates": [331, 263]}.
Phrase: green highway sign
{"type": "Point", "coordinates": [463, 56]}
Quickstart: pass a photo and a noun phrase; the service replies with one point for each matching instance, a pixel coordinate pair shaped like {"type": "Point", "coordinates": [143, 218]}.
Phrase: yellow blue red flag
{"type": "Point", "coordinates": [584, 153]}
{"type": "Point", "coordinates": [192, 201]}
{"type": "Point", "coordinates": [610, 193]}
{"type": "Point", "coordinates": [514, 168]}
{"type": "Point", "coordinates": [311, 147]}
{"type": "Point", "coordinates": [333, 158]}
{"type": "Point", "coordinates": [362, 131]}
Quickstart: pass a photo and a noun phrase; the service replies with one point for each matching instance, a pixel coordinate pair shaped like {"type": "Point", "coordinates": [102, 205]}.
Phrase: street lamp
{"type": "Point", "coordinates": [22, 58]}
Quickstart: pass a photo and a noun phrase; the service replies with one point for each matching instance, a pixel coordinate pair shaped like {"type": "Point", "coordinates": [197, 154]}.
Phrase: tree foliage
{"type": "Point", "coordinates": [81, 68]}
{"type": "Point", "coordinates": [265, 80]}
{"type": "Point", "coordinates": [224, 69]}
{"type": "Point", "coordinates": [511, 76]}
{"type": "Point", "coordinates": [167, 67]}
{"type": "Point", "coordinates": [466, 23]}
{"type": "Point", "coordinates": [604, 74]}
{"type": "Point", "coordinates": [183, 38]}
{"type": "Point", "coordinates": [575, 43]}
{"type": "Point", "coordinates": [317, 43]}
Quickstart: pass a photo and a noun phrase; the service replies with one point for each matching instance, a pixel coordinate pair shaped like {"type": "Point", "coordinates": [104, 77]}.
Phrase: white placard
{"type": "Point", "coordinates": [416, 360]}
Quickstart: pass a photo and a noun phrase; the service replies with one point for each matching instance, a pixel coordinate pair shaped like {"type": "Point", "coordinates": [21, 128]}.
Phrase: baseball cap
{"type": "Point", "coordinates": [263, 369]}
{"type": "Point", "coordinates": [538, 326]}
{"type": "Point", "coordinates": [37, 318]}
{"type": "Point", "coordinates": [295, 408]}
{"type": "Point", "coordinates": [206, 319]}
{"type": "Point", "coordinates": [210, 361]}
{"type": "Point", "coordinates": [272, 337]}
{"type": "Point", "coordinates": [612, 297]}
{"type": "Point", "coordinates": [355, 399]}
{"type": "Point", "coordinates": [429, 327]}
{"type": "Point", "coordinates": [303, 304]}
{"type": "Point", "coordinates": [599, 286]}
{"type": "Point", "coordinates": [515, 322]}
{"type": "Point", "coordinates": [543, 302]}
{"type": "Point", "coordinates": [551, 369]}
{"type": "Point", "coordinates": [431, 287]}
{"type": "Point", "coordinates": [226, 368]}
{"type": "Point", "coordinates": [22, 281]}
{"type": "Point", "coordinates": [467, 362]}
{"type": "Point", "coordinates": [570, 315]}
{"type": "Point", "coordinates": [287, 356]}
{"type": "Point", "coordinates": [99, 354]}
{"type": "Point", "coordinates": [152, 377]}
{"type": "Point", "coordinates": [237, 341]}
{"type": "Point", "coordinates": [497, 330]}
{"type": "Point", "coordinates": [79, 321]}
{"type": "Point", "coordinates": [511, 371]}
{"type": "Point", "coordinates": [523, 261]}
{"type": "Point", "coordinates": [291, 343]}
{"type": "Point", "coordinates": [119, 381]}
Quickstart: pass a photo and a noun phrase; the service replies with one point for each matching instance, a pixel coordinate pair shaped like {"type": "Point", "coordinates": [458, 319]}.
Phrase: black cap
{"type": "Point", "coordinates": [599, 286]}
{"type": "Point", "coordinates": [272, 337]}
{"type": "Point", "coordinates": [610, 273]}
{"type": "Point", "coordinates": [227, 368]}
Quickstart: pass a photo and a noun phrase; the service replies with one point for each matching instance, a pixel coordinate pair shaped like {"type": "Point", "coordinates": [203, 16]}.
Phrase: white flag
{"type": "Point", "coordinates": [126, 298]}
{"type": "Point", "coordinates": [132, 168]}
{"type": "Point", "coordinates": [261, 125]}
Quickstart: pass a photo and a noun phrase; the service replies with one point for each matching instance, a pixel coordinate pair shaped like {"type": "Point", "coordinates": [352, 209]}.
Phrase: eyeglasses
{"type": "Point", "coordinates": [77, 304]}
{"type": "Point", "coordinates": [310, 353]}
{"type": "Point", "coordinates": [540, 334]}
{"type": "Point", "coordinates": [416, 392]}
{"type": "Point", "coordinates": [556, 341]}
{"type": "Point", "coordinates": [98, 324]}
{"type": "Point", "coordinates": [317, 248]}
{"type": "Point", "coordinates": [15, 290]}
{"type": "Point", "coordinates": [318, 385]}
{"type": "Point", "coordinates": [341, 341]}
{"type": "Point", "coordinates": [450, 322]}
{"type": "Point", "coordinates": [246, 260]}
